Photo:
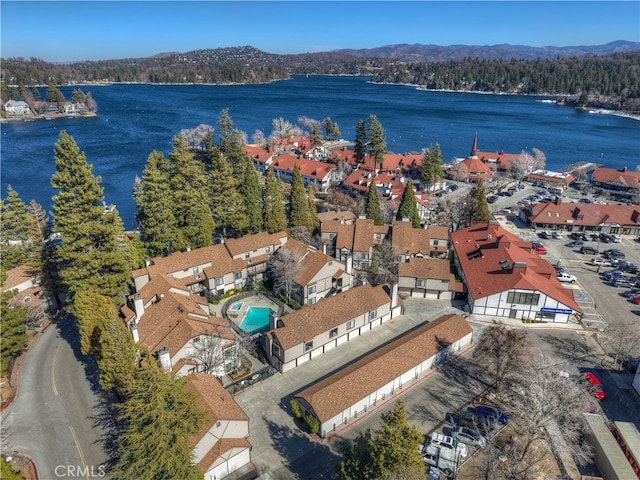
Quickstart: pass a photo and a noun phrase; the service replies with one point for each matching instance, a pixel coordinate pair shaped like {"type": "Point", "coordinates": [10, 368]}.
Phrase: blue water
{"type": "Point", "coordinates": [236, 307]}
{"type": "Point", "coordinates": [255, 320]}
{"type": "Point", "coordinates": [134, 120]}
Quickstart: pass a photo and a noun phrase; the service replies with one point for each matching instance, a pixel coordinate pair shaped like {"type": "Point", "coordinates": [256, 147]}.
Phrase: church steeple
{"type": "Point", "coordinates": [474, 147]}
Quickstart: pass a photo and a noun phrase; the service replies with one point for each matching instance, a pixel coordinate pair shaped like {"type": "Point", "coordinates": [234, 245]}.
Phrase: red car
{"type": "Point", "coordinates": [636, 300]}
{"type": "Point", "coordinates": [539, 248]}
{"type": "Point", "coordinates": [595, 386]}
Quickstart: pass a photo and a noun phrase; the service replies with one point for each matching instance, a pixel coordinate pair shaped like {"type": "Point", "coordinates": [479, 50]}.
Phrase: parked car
{"type": "Point", "coordinates": [566, 277]}
{"type": "Point", "coordinates": [611, 274]}
{"type": "Point", "coordinates": [546, 234]}
{"type": "Point", "coordinates": [630, 363]}
{"type": "Point", "coordinates": [433, 457]}
{"type": "Point", "coordinates": [468, 436]}
{"type": "Point", "coordinates": [492, 199]}
{"type": "Point", "coordinates": [636, 300]}
{"type": "Point", "coordinates": [556, 235]}
{"type": "Point", "coordinates": [621, 282]}
{"type": "Point", "coordinates": [588, 251]}
{"type": "Point", "coordinates": [613, 253]}
{"type": "Point", "coordinates": [603, 262]}
{"type": "Point", "coordinates": [575, 243]}
{"type": "Point", "coordinates": [493, 413]}
{"type": "Point", "coordinates": [445, 441]}
{"type": "Point", "coordinates": [595, 386]}
{"type": "Point", "coordinates": [539, 248]}
{"type": "Point", "coordinates": [616, 238]}
{"type": "Point", "coordinates": [634, 292]}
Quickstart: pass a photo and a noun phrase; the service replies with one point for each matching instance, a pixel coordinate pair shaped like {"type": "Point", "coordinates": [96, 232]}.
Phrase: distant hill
{"type": "Point", "coordinates": [435, 53]}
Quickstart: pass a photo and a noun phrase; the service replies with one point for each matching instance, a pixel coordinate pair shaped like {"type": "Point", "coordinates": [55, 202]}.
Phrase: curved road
{"type": "Point", "coordinates": [59, 418]}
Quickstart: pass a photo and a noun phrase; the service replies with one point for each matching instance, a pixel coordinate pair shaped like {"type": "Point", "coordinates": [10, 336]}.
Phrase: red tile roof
{"type": "Point", "coordinates": [481, 248]}
{"type": "Point", "coordinates": [582, 214]}
{"type": "Point", "coordinates": [622, 177]}
{"type": "Point", "coordinates": [355, 382]}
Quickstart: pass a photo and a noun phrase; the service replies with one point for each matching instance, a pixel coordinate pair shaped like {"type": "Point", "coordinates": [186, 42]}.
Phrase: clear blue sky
{"type": "Point", "coordinates": [60, 31]}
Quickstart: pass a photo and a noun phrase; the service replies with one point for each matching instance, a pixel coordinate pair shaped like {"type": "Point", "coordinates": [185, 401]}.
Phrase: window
{"type": "Point", "coordinates": [247, 255]}
{"type": "Point", "coordinates": [195, 270]}
{"type": "Point", "coordinates": [237, 275]}
{"type": "Point", "coordinates": [312, 289]}
{"type": "Point", "coordinates": [219, 281]}
{"type": "Point", "coordinates": [333, 333]}
{"type": "Point", "coordinates": [196, 339]}
{"type": "Point", "coordinates": [419, 283]}
{"type": "Point", "coordinates": [351, 324]}
{"type": "Point", "coordinates": [312, 300]}
{"type": "Point", "coordinates": [276, 350]}
{"type": "Point", "coordinates": [522, 298]}
{"type": "Point", "coordinates": [308, 346]}
{"type": "Point", "coordinates": [332, 236]}
{"type": "Point", "coordinates": [373, 314]}
{"type": "Point", "coordinates": [364, 255]}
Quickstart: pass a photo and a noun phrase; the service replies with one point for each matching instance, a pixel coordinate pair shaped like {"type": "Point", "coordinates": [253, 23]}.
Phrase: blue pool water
{"type": "Point", "coordinates": [236, 307]}
{"type": "Point", "coordinates": [255, 320]}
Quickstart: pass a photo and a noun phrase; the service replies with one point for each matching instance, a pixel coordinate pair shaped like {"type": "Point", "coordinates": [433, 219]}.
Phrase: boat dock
{"type": "Point", "coordinates": [587, 167]}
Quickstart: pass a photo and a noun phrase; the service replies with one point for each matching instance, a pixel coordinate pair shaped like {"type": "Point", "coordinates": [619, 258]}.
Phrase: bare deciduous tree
{"type": "Point", "coordinates": [384, 258]}
{"type": "Point", "coordinates": [216, 351]}
{"type": "Point", "coordinates": [541, 159]}
{"type": "Point", "coordinates": [258, 137]}
{"type": "Point", "coordinates": [459, 171]}
{"type": "Point", "coordinates": [283, 129]}
{"type": "Point", "coordinates": [623, 335]}
{"type": "Point", "coordinates": [283, 267]}
{"type": "Point", "coordinates": [197, 136]}
{"type": "Point", "coordinates": [501, 349]}
{"type": "Point", "coordinates": [522, 165]}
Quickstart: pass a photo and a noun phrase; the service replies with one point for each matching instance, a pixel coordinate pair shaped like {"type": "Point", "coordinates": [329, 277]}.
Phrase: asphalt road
{"type": "Point", "coordinates": [59, 419]}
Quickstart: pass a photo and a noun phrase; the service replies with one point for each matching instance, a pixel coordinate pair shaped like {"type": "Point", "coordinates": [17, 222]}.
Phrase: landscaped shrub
{"type": "Point", "coordinates": [295, 408]}
{"type": "Point", "coordinates": [313, 424]}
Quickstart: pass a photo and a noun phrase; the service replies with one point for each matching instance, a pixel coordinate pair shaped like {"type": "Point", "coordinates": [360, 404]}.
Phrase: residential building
{"type": "Point", "coordinates": [16, 108]}
{"type": "Point", "coordinates": [549, 179]}
{"type": "Point", "coordinates": [583, 217]}
{"type": "Point", "coordinates": [506, 278]}
{"type": "Point", "coordinates": [318, 174]}
{"type": "Point", "coordinates": [303, 335]}
{"type": "Point", "coordinates": [356, 389]}
{"type": "Point", "coordinates": [427, 278]}
{"type": "Point", "coordinates": [356, 241]}
{"type": "Point", "coordinates": [260, 157]}
{"type": "Point", "coordinates": [316, 275]}
{"type": "Point", "coordinates": [221, 445]}
{"type": "Point", "coordinates": [345, 216]}
{"type": "Point", "coordinates": [432, 241]}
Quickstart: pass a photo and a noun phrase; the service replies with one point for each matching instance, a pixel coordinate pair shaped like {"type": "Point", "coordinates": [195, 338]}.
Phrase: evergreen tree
{"type": "Point", "coordinates": [299, 215]}
{"type": "Point", "coordinates": [313, 210]}
{"type": "Point", "coordinates": [154, 199]}
{"type": "Point", "coordinates": [316, 135]}
{"type": "Point", "coordinates": [160, 418]}
{"type": "Point", "coordinates": [479, 206]}
{"type": "Point", "coordinates": [191, 205]}
{"type": "Point", "coordinates": [93, 250]}
{"type": "Point", "coordinates": [227, 205]}
{"type": "Point", "coordinates": [54, 95]}
{"type": "Point", "coordinates": [14, 230]}
{"type": "Point", "coordinates": [372, 208]}
{"type": "Point", "coordinates": [275, 219]}
{"type": "Point", "coordinates": [251, 191]}
{"type": "Point", "coordinates": [408, 207]}
{"type": "Point", "coordinates": [13, 324]}
{"type": "Point", "coordinates": [331, 128]}
{"type": "Point", "coordinates": [432, 169]}
{"type": "Point", "coordinates": [37, 232]}
{"type": "Point", "coordinates": [104, 336]}
{"type": "Point", "coordinates": [360, 144]}
{"type": "Point", "coordinates": [377, 142]}
{"type": "Point", "coordinates": [232, 143]}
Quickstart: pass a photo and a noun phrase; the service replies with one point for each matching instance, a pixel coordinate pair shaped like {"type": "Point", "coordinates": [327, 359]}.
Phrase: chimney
{"type": "Point", "coordinates": [394, 296]}
{"type": "Point", "coordinates": [342, 220]}
{"type": "Point", "coordinates": [349, 265]}
{"type": "Point", "coordinates": [520, 266]}
{"type": "Point", "coordinates": [273, 320]}
{"type": "Point", "coordinates": [624, 169]}
{"type": "Point", "coordinates": [138, 304]}
{"type": "Point", "coordinates": [134, 331]}
{"type": "Point", "coordinates": [147, 262]}
{"type": "Point", "coordinates": [165, 359]}
{"type": "Point", "coordinates": [324, 248]}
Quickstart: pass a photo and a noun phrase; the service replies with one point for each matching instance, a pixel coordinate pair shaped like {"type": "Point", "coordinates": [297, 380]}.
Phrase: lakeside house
{"type": "Point", "coordinates": [622, 183]}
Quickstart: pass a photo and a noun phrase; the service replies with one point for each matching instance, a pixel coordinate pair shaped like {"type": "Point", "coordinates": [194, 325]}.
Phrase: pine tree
{"type": "Point", "coordinates": [191, 205]}
{"type": "Point", "coordinates": [227, 205]}
{"type": "Point", "coordinates": [408, 207]}
{"type": "Point", "coordinates": [154, 213]}
{"type": "Point", "coordinates": [160, 418]}
{"type": "Point", "coordinates": [93, 249]}
{"type": "Point", "coordinates": [232, 143]}
{"type": "Point", "coordinates": [372, 208]}
{"type": "Point", "coordinates": [479, 206]}
{"type": "Point", "coordinates": [316, 135]}
{"type": "Point", "coordinates": [251, 191]}
{"type": "Point", "coordinates": [37, 232]}
{"type": "Point", "coordinates": [377, 142]}
{"type": "Point", "coordinates": [299, 215]}
{"type": "Point", "coordinates": [360, 144]}
{"type": "Point", "coordinates": [275, 219]}
{"type": "Point", "coordinates": [14, 231]}
{"type": "Point", "coordinates": [432, 168]}
{"type": "Point", "coordinates": [14, 330]}
{"type": "Point", "coordinates": [313, 210]}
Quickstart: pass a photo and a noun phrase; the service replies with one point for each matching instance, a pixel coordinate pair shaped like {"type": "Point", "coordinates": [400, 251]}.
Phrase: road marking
{"type": "Point", "coordinates": [75, 439]}
{"type": "Point", "coordinates": [53, 372]}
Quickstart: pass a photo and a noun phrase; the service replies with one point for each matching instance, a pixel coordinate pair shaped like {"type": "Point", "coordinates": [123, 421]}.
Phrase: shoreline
{"type": "Point", "coordinates": [53, 116]}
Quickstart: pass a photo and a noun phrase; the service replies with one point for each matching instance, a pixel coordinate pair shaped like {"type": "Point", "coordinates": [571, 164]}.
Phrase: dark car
{"type": "Point", "coordinates": [611, 274]}
{"type": "Point", "coordinates": [613, 253]}
{"type": "Point", "coordinates": [492, 199]}
{"type": "Point", "coordinates": [588, 250]}
{"type": "Point", "coordinates": [493, 413]}
{"type": "Point", "coordinates": [575, 243]}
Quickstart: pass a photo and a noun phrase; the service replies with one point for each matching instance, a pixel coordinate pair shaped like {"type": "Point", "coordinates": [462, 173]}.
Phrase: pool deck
{"type": "Point", "coordinates": [253, 301]}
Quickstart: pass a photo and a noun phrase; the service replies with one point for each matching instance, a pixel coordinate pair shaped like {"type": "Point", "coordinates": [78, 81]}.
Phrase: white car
{"type": "Point", "coordinates": [600, 261]}
{"type": "Point", "coordinates": [566, 277]}
{"type": "Point", "coordinates": [445, 441]}
{"type": "Point", "coordinates": [469, 437]}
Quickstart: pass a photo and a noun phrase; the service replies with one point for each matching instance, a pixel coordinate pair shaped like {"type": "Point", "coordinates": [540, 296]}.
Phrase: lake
{"type": "Point", "coordinates": [134, 120]}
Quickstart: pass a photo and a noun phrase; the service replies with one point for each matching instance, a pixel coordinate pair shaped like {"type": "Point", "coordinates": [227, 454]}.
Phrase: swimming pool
{"type": "Point", "coordinates": [256, 320]}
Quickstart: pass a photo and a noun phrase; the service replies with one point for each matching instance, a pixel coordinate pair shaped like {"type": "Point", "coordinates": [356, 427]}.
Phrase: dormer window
{"type": "Point", "coordinates": [195, 270]}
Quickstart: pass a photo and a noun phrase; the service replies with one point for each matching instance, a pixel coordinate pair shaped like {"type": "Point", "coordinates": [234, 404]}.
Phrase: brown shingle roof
{"type": "Point", "coordinates": [311, 320]}
{"type": "Point", "coordinates": [16, 276]}
{"type": "Point", "coordinates": [425, 268]}
{"type": "Point", "coordinates": [344, 388]}
{"type": "Point", "coordinates": [248, 243]}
